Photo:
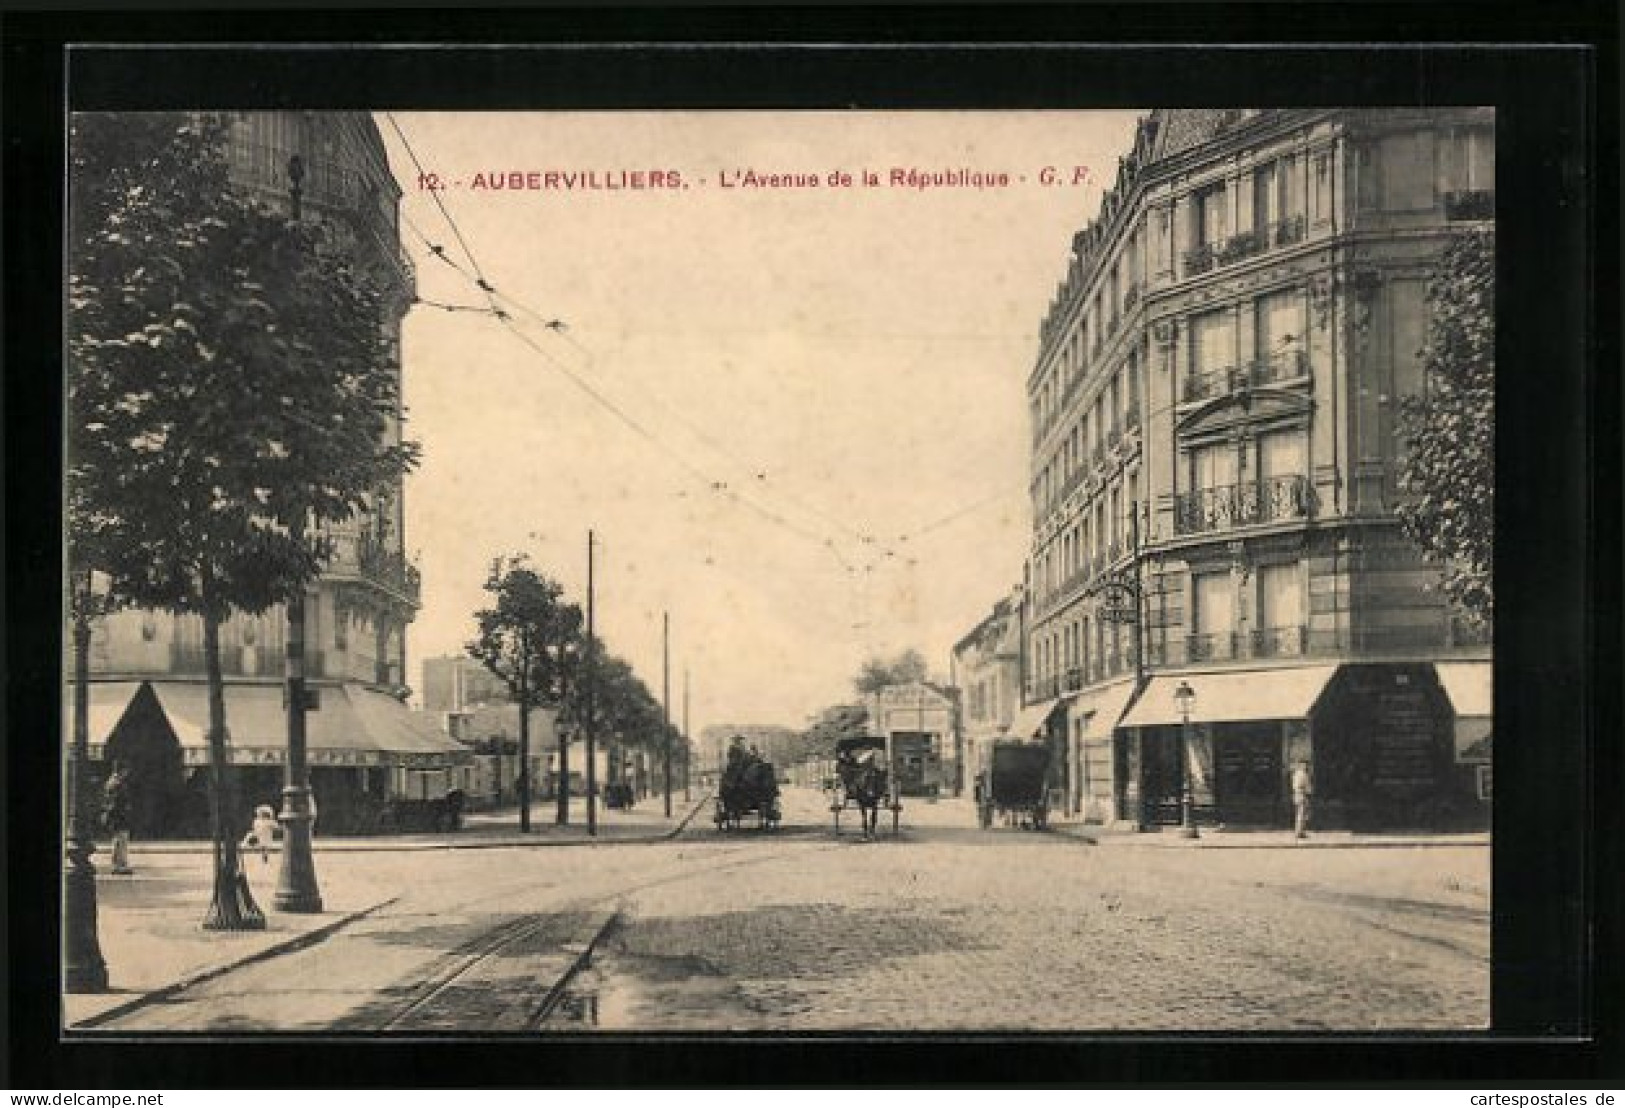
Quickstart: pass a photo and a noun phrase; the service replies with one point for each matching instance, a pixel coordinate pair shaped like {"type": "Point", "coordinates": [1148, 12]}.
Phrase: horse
{"type": "Point", "coordinates": [864, 782]}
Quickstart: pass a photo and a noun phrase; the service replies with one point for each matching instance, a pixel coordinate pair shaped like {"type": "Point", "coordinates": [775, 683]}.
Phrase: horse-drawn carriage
{"type": "Point", "coordinates": [748, 787]}
{"type": "Point", "coordinates": [1013, 784]}
{"type": "Point", "coordinates": [863, 780]}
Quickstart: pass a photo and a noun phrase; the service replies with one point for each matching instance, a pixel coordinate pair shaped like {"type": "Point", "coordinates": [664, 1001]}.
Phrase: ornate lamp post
{"type": "Point", "coordinates": [1185, 701]}
{"type": "Point", "coordinates": [83, 969]}
{"type": "Point", "coordinates": [296, 888]}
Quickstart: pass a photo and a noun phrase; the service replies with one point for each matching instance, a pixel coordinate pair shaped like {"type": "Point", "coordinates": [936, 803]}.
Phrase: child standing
{"type": "Point", "coordinates": [263, 833]}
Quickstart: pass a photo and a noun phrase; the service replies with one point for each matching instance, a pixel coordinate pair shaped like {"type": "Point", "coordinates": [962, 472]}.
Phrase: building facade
{"type": "Point", "coordinates": [148, 697]}
{"type": "Point", "coordinates": [455, 682]}
{"type": "Point", "coordinates": [919, 722]}
{"type": "Point", "coordinates": [1215, 451]}
{"type": "Point", "coordinates": [987, 675]}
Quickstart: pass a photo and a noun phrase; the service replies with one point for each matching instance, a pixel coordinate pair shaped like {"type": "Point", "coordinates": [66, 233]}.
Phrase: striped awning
{"type": "Point", "coordinates": [1034, 717]}
{"type": "Point", "coordinates": [1106, 711]}
{"type": "Point", "coordinates": [352, 726]}
{"type": "Point", "coordinates": [1235, 697]}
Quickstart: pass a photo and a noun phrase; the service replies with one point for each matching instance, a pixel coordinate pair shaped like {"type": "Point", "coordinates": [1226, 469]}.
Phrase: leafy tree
{"type": "Point", "coordinates": [531, 640]}
{"type": "Point", "coordinates": [228, 388]}
{"type": "Point", "coordinates": [840, 721]}
{"type": "Point", "coordinates": [877, 673]}
{"type": "Point", "coordinates": [1449, 464]}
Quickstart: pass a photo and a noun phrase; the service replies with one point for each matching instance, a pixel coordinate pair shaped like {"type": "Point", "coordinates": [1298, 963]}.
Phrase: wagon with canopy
{"type": "Point", "coordinates": [1013, 784]}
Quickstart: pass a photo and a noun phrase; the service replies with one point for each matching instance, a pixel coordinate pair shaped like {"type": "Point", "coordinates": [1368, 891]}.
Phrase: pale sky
{"type": "Point", "coordinates": [852, 361]}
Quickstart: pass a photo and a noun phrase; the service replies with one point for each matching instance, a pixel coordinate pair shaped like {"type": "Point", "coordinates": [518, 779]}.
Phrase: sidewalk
{"type": "Point", "coordinates": [1218, 838]}
{"type": "Point", "coordinates": [149, 921]}
{"type": "Point", "coordinates": [499, 827]}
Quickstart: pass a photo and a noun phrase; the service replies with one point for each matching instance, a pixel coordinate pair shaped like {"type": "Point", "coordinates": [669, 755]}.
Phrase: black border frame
{"type": "Point", "coordinates": [1558, 896]}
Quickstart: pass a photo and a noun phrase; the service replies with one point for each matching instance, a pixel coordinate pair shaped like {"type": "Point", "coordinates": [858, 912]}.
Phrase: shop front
{"type": "Point", "coordinates": [1232, 739]}
{"type": "Point", "coordinates": [1099, 781]}
{"type": "Point", "coordinates": [364, 750]}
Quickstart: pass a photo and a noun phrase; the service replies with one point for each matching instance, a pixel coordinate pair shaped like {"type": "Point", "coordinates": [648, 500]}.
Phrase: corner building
{"type": "Point", "coordinates": [1215, 450]}
{"type": "Point", "coordinates": [149, 706]}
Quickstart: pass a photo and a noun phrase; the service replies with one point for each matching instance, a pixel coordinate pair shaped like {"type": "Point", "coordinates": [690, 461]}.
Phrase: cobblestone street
{"type": "Point", "coordinates": [943, 927]}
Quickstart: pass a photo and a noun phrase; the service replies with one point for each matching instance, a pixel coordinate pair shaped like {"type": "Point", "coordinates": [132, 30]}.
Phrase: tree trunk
{"type": "Point", "coordinates": [232, 906]}
{"type": "Point", "coordinates": [525, 782]}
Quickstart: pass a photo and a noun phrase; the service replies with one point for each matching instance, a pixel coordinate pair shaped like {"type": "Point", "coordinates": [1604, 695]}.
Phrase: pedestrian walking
{"type": "Point", "coordinates": [1303, 791]}
{"type": "Point", "coordinates": [116, 817]}
{"type": "Point", "coordinates": [264, 831]}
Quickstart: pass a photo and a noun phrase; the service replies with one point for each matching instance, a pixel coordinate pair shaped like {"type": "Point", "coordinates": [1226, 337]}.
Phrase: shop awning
{"type": "Point", "coordinates": [1469, 685]}
{"type": "Point", "coordinates": [353, 726]}
{"type": "Point", "coordinates": [108, 702]}
{"type": "Point", "coordinates": [1106, 711]}
{"type": "Point", "coordinates": [1031, 719]}
{"type": "Point", "coordinates": [1258, 694]}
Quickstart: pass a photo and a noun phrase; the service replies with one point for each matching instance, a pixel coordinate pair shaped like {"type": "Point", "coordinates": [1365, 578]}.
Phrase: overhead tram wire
{"type": "Point", "coordinates": [434, 194]}
{"type": "Point", "coordinates": [707, 480]}
{"type": "Point", "coordinates": [710, 482]}
{"type": "Point", "coordinates": [561, 330]}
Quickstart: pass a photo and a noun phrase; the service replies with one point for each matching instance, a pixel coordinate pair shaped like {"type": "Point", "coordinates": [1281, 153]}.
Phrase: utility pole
{"type": "Point", "coordinates": [592, 691]}
{"type": "Point", "coordinates": [665, 701]}
{"type": "Point", "coordinates": [688, 742]}
{"type": "Point", "coordinates": [296, 888]}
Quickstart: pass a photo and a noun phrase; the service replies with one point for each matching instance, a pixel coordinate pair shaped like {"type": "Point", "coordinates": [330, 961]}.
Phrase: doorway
{"type": "Point", "coordinates": [1248, 775]}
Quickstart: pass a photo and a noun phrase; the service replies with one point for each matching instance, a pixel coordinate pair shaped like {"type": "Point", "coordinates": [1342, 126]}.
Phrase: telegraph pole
{"type": "Point", "coordinates": [592, 691]}
{"type": "Point", "coordinates": [665, 701]}
{"type": "Point", "coordinates": [296, 888]}
{"type": "Point", "coordinates": [688, 742]}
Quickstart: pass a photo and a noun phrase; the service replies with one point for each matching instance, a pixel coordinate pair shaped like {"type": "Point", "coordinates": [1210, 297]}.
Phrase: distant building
{"type": "Point", "coordinates": [1215, 451]}
{"type": "Point", "coordinates": [454, 682]}
{"type": "Point", "coordinates": [780, 745]}
{"type": "Point", "coordinates": [148, 698]}
{"type": "Point", "coordinates": [918, 719]}
{"type": "Point", "coordinates": [987, 673]}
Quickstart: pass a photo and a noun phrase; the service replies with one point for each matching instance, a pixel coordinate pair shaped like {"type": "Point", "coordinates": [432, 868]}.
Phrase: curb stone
{"type": "Point", "coordinates": [318, 934]}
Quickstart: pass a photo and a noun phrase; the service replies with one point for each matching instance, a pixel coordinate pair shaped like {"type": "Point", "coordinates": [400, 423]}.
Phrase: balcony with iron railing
{"type": "Point", "coordinates": [1289, 230]}
{"type": "Point", "coordinates": [1044, 688]}
{"type": "Point", "coordinates": [1298, 641]}
{"type": "Point", "coordinates": [235, 661]}
{"type": "Point", "coordinates": [1278, 642]}
{"type": "Point", "coordinates": [1284, 365]}
{"type": "Point", "coordinates": [1244, 504]}
{"type": "Point", "coordinates": [363, 556]}
{"type": "Point", "coordinates": [1246, 244]}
